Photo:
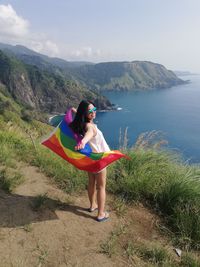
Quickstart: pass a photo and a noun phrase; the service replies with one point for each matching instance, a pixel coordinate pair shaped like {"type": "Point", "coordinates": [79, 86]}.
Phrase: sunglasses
{"type": "Point", "coordinates": [92, 110]}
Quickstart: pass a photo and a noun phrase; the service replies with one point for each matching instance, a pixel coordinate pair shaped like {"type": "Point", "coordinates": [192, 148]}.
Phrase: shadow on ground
{"type": "Point", "coordinates": [18, 210]}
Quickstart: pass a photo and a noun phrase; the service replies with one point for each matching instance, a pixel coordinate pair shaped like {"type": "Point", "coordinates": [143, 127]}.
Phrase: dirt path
{"type": "Point", "coordinates": [52, 229]}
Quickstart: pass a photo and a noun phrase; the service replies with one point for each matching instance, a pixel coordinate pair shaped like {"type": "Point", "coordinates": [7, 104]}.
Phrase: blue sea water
{"type": "Point", "coordinates": [174, 111]}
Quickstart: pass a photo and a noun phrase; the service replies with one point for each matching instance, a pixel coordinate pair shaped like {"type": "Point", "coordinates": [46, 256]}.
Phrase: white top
{"type": "Point", "coordinates": [98, 143]}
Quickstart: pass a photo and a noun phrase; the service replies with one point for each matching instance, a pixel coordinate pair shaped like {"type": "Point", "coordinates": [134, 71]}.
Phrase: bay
{"type": "Point", "coordinates": [174, 111]}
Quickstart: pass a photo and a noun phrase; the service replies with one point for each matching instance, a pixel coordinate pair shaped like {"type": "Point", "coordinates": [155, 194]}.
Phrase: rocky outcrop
{"type": "Point", "coordinates": [43, 90]}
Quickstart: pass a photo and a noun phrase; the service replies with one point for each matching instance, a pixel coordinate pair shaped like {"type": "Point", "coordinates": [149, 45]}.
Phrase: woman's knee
{"type": "Point", "coordinates": [100, 187]}
{"type": "Point", "coordinates": [101, 183]}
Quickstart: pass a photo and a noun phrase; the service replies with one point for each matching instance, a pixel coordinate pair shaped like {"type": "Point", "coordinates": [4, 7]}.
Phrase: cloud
{"type": "Point", "coordinates": [11, 24]}
{"type": "Point", "coordinates": [85, 52]}
{"type": "Point", "coordinates": [43, 45]}
{"type": "Point", "coordinates": [15, 30]}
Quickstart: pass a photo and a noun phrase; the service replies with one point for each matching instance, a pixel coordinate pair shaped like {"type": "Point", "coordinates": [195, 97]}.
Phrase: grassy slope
{"type": "Point", "coordinates": [154, 177]}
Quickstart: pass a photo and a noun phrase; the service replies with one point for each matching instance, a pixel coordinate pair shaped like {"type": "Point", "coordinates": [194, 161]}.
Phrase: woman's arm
{"type": "Point", "coordinates": [88, 135]}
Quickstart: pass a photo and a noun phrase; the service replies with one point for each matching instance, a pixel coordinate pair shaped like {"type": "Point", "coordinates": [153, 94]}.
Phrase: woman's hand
{"type": "Point", "coordinates": [74, 109]}
{"type": "Point", "coordinates": [80, 145]}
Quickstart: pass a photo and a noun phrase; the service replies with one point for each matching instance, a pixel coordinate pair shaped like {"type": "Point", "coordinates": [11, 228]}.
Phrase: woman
{"type": "Point", "coordinates": [83, 125]}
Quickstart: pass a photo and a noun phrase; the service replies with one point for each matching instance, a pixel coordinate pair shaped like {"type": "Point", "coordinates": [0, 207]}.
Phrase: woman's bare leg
{"type": "Point", "coordinates": [92, 190]}
{"type": "Point", "coordinates": [101, 192]}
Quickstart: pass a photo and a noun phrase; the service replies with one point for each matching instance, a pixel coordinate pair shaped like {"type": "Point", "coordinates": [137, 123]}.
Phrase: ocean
{"type": "Point", "coordinates": [174, 111]}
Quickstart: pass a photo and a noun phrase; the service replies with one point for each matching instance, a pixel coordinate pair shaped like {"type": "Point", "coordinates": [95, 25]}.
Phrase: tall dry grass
{"type": "Point", "coordinates": [160, 179]}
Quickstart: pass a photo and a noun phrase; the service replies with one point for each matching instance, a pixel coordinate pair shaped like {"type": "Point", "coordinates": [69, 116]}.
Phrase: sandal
{"type": "Point", "coordinates": [105, 218]}
{"type": "Point", "coordinates": [92, 210]}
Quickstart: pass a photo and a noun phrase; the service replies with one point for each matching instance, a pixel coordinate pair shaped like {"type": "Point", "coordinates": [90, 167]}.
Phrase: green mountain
{"type": "Point", "coordinates": [126, 76]}
{"type": "Point", "coordinates": [52, 84]}
{"type": "Point", "coordinates": [31, 57]}
{"type": "Point", "coordinates": [102, 76]}
{"type": "Point", "coordinates": [43, 90]}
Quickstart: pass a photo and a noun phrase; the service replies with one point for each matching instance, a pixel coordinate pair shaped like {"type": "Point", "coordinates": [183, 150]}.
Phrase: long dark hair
{"type": "Point", "coordinates": [78, 125]}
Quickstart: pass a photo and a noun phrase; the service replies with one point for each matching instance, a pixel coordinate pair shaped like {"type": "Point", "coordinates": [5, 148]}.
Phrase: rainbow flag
{"type": "Point", "coordinates": [63, 140]}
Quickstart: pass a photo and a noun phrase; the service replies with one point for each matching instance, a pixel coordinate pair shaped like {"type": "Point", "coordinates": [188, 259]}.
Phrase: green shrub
{"type": "Point", "coordinates": [189, 261]}
{"type": "Point", "coordinates": [9, 181]}
{"type": "Point", "coordinates": [4, 106]}
{"type": "Point", "coordinates": [26, 115]}
{"type": "Point", "coordinates": [155, 254]}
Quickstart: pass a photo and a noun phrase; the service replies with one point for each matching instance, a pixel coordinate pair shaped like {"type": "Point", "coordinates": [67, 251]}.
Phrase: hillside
{"type": "Point", "coordinates": [41, 89]}
{"type": "Point", "coordinates": [40, 225]}
{"type": "Point", "coordinates": [27, 55]}
{"type": "Point", "coordinates": [102, 76]}
{"type": "Point", "coordinates": [153, 202]}
{"type": "Point", "coordinates": [127, 76]}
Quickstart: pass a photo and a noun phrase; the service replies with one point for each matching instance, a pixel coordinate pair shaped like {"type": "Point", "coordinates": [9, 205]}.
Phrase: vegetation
{"type": "Point", "coordinates": [153, 253]}
{"type": "Point", "coordinates": [42, 86]}
{"type": "Point", "coordinates": [126, 76]}
{"type": "Point", "coordinates": [164, 183]}
{"type": "Point", "coordinates": [189, 260]}
{"type": "Point", "coordinates": [52, 85]}
{"type": "Point", "coordinates": [137, 251]}
{"type": "Point", "coordinates": [9, 179]}
{"type": "Point", "coordinates": [152, 176]}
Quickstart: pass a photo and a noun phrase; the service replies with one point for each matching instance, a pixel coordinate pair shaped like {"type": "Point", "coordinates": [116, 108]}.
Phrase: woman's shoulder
{"type": "Point", "coordinates": [91, 126]}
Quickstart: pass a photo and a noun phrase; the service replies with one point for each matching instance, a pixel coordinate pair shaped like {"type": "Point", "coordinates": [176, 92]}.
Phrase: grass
{"type": "Point", "coordinates": [157, 178]}
{"type": "Point", "coordinates": [39, 202]}
{"type": "Point", "coordinates": [189, 260]}
{"type": "Point", "coordinates": [27, 227]}
{"type": "Point", "coordinates": [42, 254]}
{"type": "Point", "coordinates": [136, 251]}
{"type": "Point", "coordinates": [9, 180]}
{"type": "Point", "coordinates": [156, 255]}
{"type": "Point", "coordinates": [5, 157]}
{"type": "Point", "coordinates": [153, 255]}
{"type": "Point", "coordinates": [119, 206]}
{"type": "Point", "coordinates": [66, 176]}
{"type": "Point", "coordinates": [109, 247]}
{"type": "Point", "coordinates": [15, 146]}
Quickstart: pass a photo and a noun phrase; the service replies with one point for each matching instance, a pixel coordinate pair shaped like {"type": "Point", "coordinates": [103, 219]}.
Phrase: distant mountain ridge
{"type": "Point", "coordinates": [184, 73]}
{"type": "Point", "coordinates": [53, 84]}
{"type": "Point", "coordinates": [43, 90]}
{"type": "Point", "coordinates": [126, 76]}
{"type": "Point", "coordinates": [102, 76]}
{"type": "Point", "coordinates": [25, 54]}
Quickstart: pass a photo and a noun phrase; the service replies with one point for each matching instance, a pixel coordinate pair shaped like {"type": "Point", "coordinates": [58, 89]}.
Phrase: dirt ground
{"type": "Point", "coordinates": [40, 225]}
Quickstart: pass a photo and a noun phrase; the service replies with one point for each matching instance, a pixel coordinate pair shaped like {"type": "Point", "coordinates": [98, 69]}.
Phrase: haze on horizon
{"type": "Point", "coordinates": [166, 32]}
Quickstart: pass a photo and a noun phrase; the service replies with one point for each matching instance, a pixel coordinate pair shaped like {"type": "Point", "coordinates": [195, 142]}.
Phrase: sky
{"type": "Point", "coordinates": [161, 31]}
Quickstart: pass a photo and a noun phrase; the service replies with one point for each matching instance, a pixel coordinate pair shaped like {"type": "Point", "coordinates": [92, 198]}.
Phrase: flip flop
{"type": "Point", "coordinates": [105, 218]}
{"type": "Point", "coordinates": [92, 210]}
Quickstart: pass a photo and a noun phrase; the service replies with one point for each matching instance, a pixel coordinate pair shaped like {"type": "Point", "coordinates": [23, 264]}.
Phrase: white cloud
{"type": "Point", "coordinates": [85, 53]}
{"type": "Point", "coordinates": [11, 24]}
{"type": "Point", "coordinates": [15, 30]}
{"type": "Point", "coordinates": [43, 45]}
